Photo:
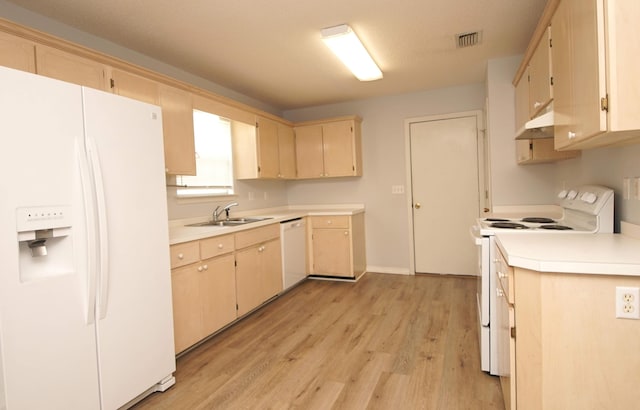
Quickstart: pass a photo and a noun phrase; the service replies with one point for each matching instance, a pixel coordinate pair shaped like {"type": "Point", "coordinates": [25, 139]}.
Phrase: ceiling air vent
{"type": "Point", "coordinates": [468, 39]}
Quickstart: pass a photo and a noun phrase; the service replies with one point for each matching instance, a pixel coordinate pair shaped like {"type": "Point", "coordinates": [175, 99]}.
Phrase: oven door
{"type": "Point", "coordinates": [483, 244]}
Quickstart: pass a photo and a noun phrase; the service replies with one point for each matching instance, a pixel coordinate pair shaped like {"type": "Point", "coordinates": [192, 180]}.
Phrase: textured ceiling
{"type": "Point", "coordinates": [271, 50]}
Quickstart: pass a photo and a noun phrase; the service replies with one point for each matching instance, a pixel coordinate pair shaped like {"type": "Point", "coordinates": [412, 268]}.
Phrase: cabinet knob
{"type": "Point", "coordinates": [499, 293]}
{"type": "Point", "coordinates": [199, 268]}
{"type": "Point", "coordinates": [346, 233]}
{"type": "Point", "coordinates": [417, 205]}
{"type": "Point", "coordinates": [220, 246]}
{"type": "Point", "coordinates": [180, 256]}
{"type": "Point", "coordinates": [571, 135]}
{"type": "Point", "coordinates": [501, 275]}
{"type": "Point", "coordinates": [329, 222]}
{"type": "Point", "coordinates": [206, 267]}
{"type": "Point", "coordinates": [261, 248]}
{"type": "Point", "coordinates": [537, 104]}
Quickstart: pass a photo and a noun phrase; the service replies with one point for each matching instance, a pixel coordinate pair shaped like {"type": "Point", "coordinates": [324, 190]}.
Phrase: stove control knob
{"type": "Point", "coordinates": [589, 197]}
{"type": "Point", "coordinates": [572, 194]}
{"type": "Point", "coordinates": [562, 194]}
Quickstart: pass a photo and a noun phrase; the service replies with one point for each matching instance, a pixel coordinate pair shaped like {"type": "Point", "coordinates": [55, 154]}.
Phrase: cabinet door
{"type": "Point", "coordinates": [332, 252]}
{"type": "Point", "coordinates": [540, 89]}
{"type": "Point", "coordinates": [338, 148]}
{"type": "Point", "coordinates": [17, 53]}
{"type": "Point", "coordinates": [522, 101]}
{"type": "Point", "coordinates": [133, 86]}
{"type": "Point", "coordinates": [187, 306]}
{"type": "Point", "coordinates": [268, 155]}
{"type": "Point", "coordinates": [578, 61]}
{"type": "Point", "coordinates": [177, 126]}
{"type": "Point", "coordinates": [248, 289]}
{"type": "Point", "coordinates": [309, 152]}
{"type": "Point", "coordinates": [271, 268]}
{"type": "Point", "coordinates": [71, 68]}
{"type": "Point", "coordinates": [286, 151]}
{"type": "Point", "coordinates": [218, 293]}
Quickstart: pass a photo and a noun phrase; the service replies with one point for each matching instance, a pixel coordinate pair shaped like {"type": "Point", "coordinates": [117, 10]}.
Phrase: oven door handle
{"type": "Point", "coordinates": [474, 231]}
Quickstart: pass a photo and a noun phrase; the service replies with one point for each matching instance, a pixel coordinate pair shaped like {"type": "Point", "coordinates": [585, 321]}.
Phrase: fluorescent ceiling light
{"type": "Point", "coordinates": [345, 44]}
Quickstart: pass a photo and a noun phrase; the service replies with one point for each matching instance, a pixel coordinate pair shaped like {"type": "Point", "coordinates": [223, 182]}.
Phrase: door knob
{"type": "Point", "coordinates": [417, 205]}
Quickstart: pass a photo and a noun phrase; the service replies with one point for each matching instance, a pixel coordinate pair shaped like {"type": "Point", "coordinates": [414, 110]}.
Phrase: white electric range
{"type": "Point", "coordinates": [585, 209]}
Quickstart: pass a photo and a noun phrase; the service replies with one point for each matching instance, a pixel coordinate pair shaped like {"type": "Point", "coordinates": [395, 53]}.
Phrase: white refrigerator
{"type": "Point", "coordinates": [85, 287]}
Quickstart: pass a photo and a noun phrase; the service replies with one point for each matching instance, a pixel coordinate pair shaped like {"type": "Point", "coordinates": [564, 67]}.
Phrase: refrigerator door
{"type": "Point", "coordinates": [47, 344]}
{"type": "Point", "coordinates": [134, 317]}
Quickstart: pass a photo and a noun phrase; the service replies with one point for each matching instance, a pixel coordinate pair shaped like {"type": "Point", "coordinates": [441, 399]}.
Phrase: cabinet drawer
{"type": "Point", "coordinates": [184, 254]}
{"type": "Point", "coordinates": [217, 245]}
{"type": "Point", "coordinates": [330, 221]}
{"type": "Point", "coordinates": [505, 276]}
{"type": "Point", "coordinates": [253, 236]}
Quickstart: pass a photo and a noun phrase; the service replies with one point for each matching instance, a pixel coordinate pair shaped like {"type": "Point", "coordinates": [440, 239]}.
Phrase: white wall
{"type": "Point", "coordinates": [251, 194]}
{"type": "Point", "coordinates": [512, 184]}
{"type": "Point", "coordinates": [606, 166]}
{"type": "Point", "coordinates": [384, 165]}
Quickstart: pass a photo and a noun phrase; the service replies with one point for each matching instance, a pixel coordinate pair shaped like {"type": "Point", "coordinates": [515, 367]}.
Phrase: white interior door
{"type": "Point", "coordinates": [445, 190]}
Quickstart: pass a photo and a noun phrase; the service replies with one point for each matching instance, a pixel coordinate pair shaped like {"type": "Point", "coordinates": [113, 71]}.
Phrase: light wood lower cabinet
{"type": "Point", "coordinates": [203, 286]}
{"type": "Point", "coordinates": [218, 279]}
{"type": "Point", "coordinates": [258, 267]}
{"type": "Point", "coordinates": [568, 350]}
{"type": "Point", "coordinates": [337, 246]}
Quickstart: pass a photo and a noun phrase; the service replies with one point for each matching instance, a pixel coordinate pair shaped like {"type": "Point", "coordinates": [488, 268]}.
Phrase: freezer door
{"type": "Point", "coordinates": [47, 345]}
{"type": "Point", "coordinates": [135, 320]}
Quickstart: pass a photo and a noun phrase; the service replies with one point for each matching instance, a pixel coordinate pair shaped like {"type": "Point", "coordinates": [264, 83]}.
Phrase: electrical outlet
{"type": "Point", "coordinates": [397, 189]}
{"type": "Point", "coordinates": [626, 188]}
{"type": "Point", "coordinates": [627, 302]}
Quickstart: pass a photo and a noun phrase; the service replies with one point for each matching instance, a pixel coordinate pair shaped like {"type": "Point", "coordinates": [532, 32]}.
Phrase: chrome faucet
{"type": "Point", "coordinates": [219, 210]}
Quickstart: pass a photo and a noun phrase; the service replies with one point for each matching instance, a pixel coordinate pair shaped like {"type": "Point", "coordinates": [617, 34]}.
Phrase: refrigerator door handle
{"type": "Point", "coordinates": [90, 218]}
{"type": "Point", "coordinates": [103, 238]}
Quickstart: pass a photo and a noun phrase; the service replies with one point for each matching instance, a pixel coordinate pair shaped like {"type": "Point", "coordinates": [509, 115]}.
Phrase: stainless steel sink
{"type": "Point", "coordinates": [229, 222]}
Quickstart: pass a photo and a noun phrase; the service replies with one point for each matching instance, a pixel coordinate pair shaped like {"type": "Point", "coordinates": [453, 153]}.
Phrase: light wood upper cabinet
{"type": "Point", "coordinates": [522, 101]}
{"type": "Point", "coordinates": [329, 148]}
{"type": "Point", "coordinates": [133, 86]}
{"type": "Point", "coordinates": [267, 151]}
{"type": "Point", "coordinates": [58, 64]}
{"type": "Point", "coordinates": [596, 86]}
{"type": "Point", "coordinates": [309, 151]}
{"type": "Point", "coordinates": [286, 151]}
{"type": "Point", "coordinates": [17, 53]}
{"type": "Point", "coordinates": [177, 126]}
{"type": "Point", "coordinates": [267, 146]}
{"type": "Point", "coordinates": [540, 150]}
{"type": "Point", "coordinates": [540, 77]}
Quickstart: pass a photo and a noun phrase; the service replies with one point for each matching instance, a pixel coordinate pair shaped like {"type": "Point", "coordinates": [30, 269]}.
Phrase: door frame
{"type": "Point", "coordinates": [481, 136]}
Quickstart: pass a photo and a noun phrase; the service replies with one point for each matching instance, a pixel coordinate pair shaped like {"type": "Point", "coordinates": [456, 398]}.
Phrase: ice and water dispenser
{"type": "Point", "coordinates": [45, 243]}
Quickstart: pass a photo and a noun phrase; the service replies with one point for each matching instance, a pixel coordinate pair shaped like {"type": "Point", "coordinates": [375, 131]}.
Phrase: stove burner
{"type": "Point", "coordinates": [538, 220]}
{"type": "Point", "coordinates": [508, 225]}
{"type": "Point", "coordinates": [496, 220]}
{"type": "Point", "coordinates": [556, 227]}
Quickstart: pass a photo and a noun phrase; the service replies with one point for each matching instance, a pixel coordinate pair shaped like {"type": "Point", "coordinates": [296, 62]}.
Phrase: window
{"type": "Point", "coordinates": [214, 165]}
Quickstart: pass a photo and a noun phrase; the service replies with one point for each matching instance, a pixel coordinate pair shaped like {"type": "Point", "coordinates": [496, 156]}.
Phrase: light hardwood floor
{"type": "Point", "coordinates": [386, 342]}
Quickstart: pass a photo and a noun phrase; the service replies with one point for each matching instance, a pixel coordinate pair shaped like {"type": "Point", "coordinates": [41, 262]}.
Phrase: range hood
{"type": "Point", "coordinates": [539, 127]}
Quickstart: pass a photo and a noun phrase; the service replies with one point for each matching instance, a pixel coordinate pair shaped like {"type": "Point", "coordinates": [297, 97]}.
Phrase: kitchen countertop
{"type": "Point", "coordinates": [605, 254]}
{"type": "Point", "coordinates": [179, 233]}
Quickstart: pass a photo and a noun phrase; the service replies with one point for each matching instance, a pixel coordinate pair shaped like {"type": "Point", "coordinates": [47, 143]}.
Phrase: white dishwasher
{"type": "Point", "coordinates": [293, 234]}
